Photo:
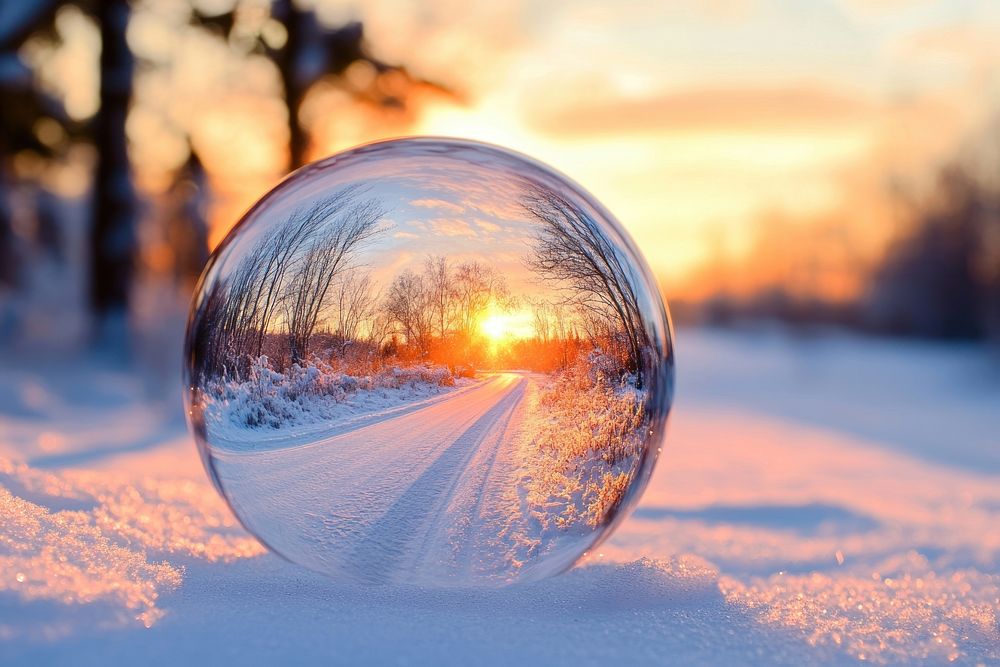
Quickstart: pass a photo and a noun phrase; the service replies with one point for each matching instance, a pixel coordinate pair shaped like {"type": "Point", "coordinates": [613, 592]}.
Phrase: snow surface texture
{"type": "Point", "coordinates": [819, 500]}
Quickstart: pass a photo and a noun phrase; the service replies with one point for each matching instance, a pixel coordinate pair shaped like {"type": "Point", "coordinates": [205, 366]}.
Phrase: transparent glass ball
{"type": "Point", "coordinates": [429, 361]}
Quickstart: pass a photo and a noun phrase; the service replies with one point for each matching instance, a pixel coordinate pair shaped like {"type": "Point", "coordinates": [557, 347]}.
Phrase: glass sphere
{"type": "Point", "coordinates": [429, 361]}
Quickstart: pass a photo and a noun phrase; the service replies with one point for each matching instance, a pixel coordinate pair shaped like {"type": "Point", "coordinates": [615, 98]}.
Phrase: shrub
{"type": "Point", "coordinates": [587, 447]}
{"type": "Point", "coordinates": [309, 392]}
{"type": "Point", "coordinates": [606, 496]}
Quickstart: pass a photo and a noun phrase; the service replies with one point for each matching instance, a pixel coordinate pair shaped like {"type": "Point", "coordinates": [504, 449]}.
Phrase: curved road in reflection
{"type": "Point", "coordinates": [421, 496]}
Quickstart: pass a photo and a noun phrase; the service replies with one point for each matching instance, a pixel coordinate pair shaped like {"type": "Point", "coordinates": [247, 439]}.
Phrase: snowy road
{"type": "Point", "coordinates": [398, 498]}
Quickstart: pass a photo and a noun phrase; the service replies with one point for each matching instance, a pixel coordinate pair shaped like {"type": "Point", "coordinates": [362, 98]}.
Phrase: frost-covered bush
{"type": "Point", "coordinates": [396, 376]}
{"type": "Point", "coordinates": [306, 393]}
{"type": "Point", "coordinates": [604, 496]}
{"type": "Point", "coordinates": [589, 442]}
{"type": "Point", "coordinates": [595, 417]}
{"type": "Point", "coordinates": [601, 368]}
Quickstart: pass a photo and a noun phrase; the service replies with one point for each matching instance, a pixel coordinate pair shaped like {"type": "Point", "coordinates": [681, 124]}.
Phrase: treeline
{"type": "Point", "coordinates": [436, 312]}
{"type": "Point", "coordinates": [940, 279]}
{"type": "Point", "coordinates": [289, 277]}
{"type": "Point", "coordinates": [39, 136]}
{"type": "Point", "coordinates": [943, 279]}
{"type": "Point", "coordinates": [298, 292]}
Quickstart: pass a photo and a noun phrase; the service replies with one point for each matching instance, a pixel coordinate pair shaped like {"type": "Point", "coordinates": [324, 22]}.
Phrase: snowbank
{"type": "Point", "coordinates": [270, 404]}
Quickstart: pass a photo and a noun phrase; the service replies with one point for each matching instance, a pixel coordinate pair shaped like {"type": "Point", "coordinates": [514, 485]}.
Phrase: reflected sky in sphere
{"type": "Point", "coordinates": [429, 361]}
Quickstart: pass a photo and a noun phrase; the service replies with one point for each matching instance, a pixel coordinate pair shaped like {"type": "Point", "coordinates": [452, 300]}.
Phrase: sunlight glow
{"type": "Point", "coordinates": [500, 327]}
{"type": "Point", "coordinates": [696, 163]}
{"type": "Point", "coordinates": [495, 328]}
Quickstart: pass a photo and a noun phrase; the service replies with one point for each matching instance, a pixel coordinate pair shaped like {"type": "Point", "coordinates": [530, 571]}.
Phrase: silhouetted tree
{"type": "Point", "coordinates": [323, 261]}
{"type": "Point", "coordinates": [440, 287]}
{"type": "Point", "coordinates": [289, 271]}
{"type": "Point", "coordinates": [21, 110]}
{"type": "Point", "coordinates": [573, 252]}
{"type": "Point", "coordinates": [312, 51]}
{"type": "Point", "coordinates": [113, 235]}
{"type": "Point", "coordinates": [475, 286]}
{"type": "Point", "coordinates": [408, 303]}
{"type": "Point", "coordinates": [356, 301]}
{"type": "Point", "coordinates": [187, 227]}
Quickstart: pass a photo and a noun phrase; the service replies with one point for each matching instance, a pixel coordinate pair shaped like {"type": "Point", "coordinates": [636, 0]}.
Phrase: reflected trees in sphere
{"type": "Point", "coordinates": [429, 361]}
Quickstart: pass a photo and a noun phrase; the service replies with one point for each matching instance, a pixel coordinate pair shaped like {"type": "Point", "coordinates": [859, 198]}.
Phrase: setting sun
{"type": "Point", "coordinates": [495, 327]}
{"type": "Point", "coordinates": [498, 326]}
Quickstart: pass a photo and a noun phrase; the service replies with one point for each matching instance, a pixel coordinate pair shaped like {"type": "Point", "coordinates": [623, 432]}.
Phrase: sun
{"type": "Point", "coordinates": [495, 327]}
{"type": "Point", "coordinates": [500, 327]}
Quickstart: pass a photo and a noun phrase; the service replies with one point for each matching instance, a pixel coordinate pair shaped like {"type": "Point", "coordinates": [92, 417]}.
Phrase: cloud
{"type": "Point", "coordinates": [405, 235]}
{"type": "Point", "coordinates": [969, 45]}
{"type": "Point", "coordinates": [487, 226]}
{"type": "Point", "coordinates": [438, 203]}
{"type": "Point", "coordinates": [452, 227]}
{"type": "Point", "coordinates": [720, 108]}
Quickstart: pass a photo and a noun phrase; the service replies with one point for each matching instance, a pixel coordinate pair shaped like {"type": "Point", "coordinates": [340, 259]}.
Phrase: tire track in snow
{"type": "Point", "coordinates": [415, 520]}
{"type": "Point", "coordinates": [446, 546]}
{"type": "Point", "coordinates": [314, 503]}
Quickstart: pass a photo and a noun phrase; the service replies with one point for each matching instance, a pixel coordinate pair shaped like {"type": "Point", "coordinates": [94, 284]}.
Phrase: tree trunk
{"type": "Point", "coordinates": [288, 64]}
{"type": "Point", "coordinates": [9, 260]}
{"type": "Point", "coordinates": [112, 236]}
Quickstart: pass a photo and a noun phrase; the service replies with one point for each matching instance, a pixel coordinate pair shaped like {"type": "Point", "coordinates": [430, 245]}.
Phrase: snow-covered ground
{"type": "Point", "coordinates": [421, 493]}
{"type": "Point", "coordinates": [826, 499]}
{"type": "Point", "coordinates": [506, 476]}
{"type": "Point", "coordinates": [274, 410]}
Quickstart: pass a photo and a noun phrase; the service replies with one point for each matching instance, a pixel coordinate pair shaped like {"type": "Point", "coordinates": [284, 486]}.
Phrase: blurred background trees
{"type": "Point", "coordinates": [44, 138]}
{"type": "Point", "coordinates": [942, 278]}
{"type": "Point", "coordinates": [938, 278]}
{"type": "Point", "coordinates": [30, 122]}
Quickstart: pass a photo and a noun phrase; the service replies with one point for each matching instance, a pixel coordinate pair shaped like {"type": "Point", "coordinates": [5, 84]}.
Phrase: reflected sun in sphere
{"type": "Point", "coordinates": [499, 326]}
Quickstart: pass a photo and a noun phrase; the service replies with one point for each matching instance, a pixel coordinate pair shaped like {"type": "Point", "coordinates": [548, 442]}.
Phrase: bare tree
{"type": "Point", "coordinates": [542, 314]}
{"type": "Point", "coordinates": [476, 285]}
{"type": "Point", "coordinates": [113, 237]}
{"type": "Point", "coordinates": [356, 301]}
{"type": "Point", "coordinates": [440, 287]}
{"type": "Point", "coordinates": [206, 343]}
{"type": "Point", "coordinates": [285, 273]}
{"type": "Point", "coordinates": [380, 330]}
{"type": "Point", "coordinates": [323, 261]}
{"type": "Point", "coordinates": [408, 304]}
{"type": "Point", "coordinates": [256, 285]}
{"type": "Point", "coordinates": [573, 252]}
{"type": "Point", "coordinates": [278, 251]}
{"type": "Point", "coordinates": [312, 51]}
{"type": "Point", "coordinates": [443, 305]}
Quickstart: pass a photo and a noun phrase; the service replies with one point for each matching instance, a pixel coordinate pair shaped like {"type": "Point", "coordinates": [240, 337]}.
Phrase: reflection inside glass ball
{"type": "Point", "coordinates": [429, 361]}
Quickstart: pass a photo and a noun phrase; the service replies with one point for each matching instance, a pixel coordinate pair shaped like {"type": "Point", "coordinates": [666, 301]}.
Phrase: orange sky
{"type": "Point", "coordinates": [694, 121]}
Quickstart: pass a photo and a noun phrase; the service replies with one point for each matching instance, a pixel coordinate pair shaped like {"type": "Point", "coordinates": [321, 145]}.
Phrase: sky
{"type": "Point", "coordinates": [692, 120]}
{"type": "Point", "coordinates": [459, 202]}
{"type": "Point", "coordinates": [711, 128]}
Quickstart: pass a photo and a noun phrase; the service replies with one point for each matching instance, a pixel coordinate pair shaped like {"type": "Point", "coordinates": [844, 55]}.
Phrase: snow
{"type": "Point", "coordinates": [389, 499]}
{"type": "Point", "coordinates": [272, 410]}
{"type": "Point", "coordinates": [400, 476]}
{"type": "Point", "coordinates": [824, 499]}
